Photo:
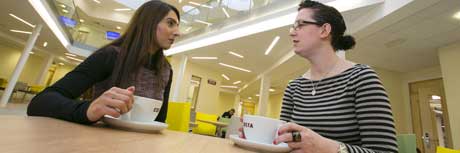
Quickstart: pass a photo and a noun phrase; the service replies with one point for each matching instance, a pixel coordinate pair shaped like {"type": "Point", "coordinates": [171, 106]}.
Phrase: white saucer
{"type": "Point", "coordinates": [134, 125]}
{"type": "Point", "coordinates": [264, 147]}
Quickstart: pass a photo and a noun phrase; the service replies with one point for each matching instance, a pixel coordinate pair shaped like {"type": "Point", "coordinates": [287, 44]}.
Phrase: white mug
{"type": "Point", "coordinates": [261, 129]}
{"type": "Point", "coordinates": [143, 110]}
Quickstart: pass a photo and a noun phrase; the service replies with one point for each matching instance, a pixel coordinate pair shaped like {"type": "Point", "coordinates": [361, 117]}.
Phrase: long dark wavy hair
{"type": "Point", "coordinates": [139, 45]}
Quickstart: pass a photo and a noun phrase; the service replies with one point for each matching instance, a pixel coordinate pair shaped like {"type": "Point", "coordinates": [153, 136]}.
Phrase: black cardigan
{"type": "Point", "coordinates": [60, 99]}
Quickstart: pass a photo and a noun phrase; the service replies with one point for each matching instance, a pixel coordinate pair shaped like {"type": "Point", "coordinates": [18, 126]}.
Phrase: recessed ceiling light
{"type": "Point", "coordinates": [69, 54]}
{"type": "Point", "coordinates": [457, 15]}
{"type": "Point", "coordinates": [20, 31]}
{"type": "Point", "coordinates": [434, 97]}
{"type": "Point", "coordinates": [205, 58]}
{"type": "Point", "coordinates": [65, 11]}
{"type": "Point", "coordinates": [97, 1]}
{"type": "Point", "coordinates": [198, 4]}
{"type": "Point", "coordinates": [233, 87]}
{"type": "Point", "coordinates": [237, 82]}
{"type": "Point", "coordinates": [45, 44]}
{"type": "Point", "coordinates": [63, 6]}
{"type": "Point", "coordinates": [61, 64]}
{"type": "Point", "coordinates": [269, 49]}
{"type": "Point", "coordinates": [22, 20]}
{"type": "Point", "coordinates": [32, 52]}
{"type": "Point", "coordinates": [226, 77]}
{"type": "Point", "coordinates": [249, 97]}
{"type": "Point", "coordinates": [225, 12]}
{"type": "Point", "coordinates": [81, 20]}
{"type": "Point", "coordinates": [122, 9]}
{"type": "Point", "coordinates": [234, 67]}
{"type": "Point", "coordinates": [236, 54]}
{"type": "Point", "coordinates": [271, 90]}
{"type": "Point", "coordinates": [257, 95]}
{"type": "Point", "coordinates": [118, 27]}
{"type": "Point", "coordinates": [204, 22]}
{"type": "Point", "coordinates": [73, 58]}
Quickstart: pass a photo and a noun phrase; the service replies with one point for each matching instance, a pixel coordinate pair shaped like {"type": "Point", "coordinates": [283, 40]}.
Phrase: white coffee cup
{"type": "Point", "coordinates": [261, 129]}
{"type": "Point", "coordinates": [143, 110]}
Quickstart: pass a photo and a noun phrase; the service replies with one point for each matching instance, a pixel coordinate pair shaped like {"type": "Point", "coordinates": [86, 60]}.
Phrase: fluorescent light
{"type": "Point", "coordinates": [69, 54]}
{"type": "Point", "coordinates": [434, 97]}
{"type": "Point", "coordinates": [22, 20]}
{"type": "Point", "coordinates": [122, 9]}
{"type": "Point", "coordinates": [457, 15]}
{"type": "Point", "coordinates": [226, 77]}
{"type": "Point", "coordinates": [45, 44]}
{"type": "Point", "coordinates": [234, 87]}
{"type": "Point", "coordinates": [49, 20]}
{"type": "Point", "coordinates": [118, 27]}
{"type": "Point", "coordinates": [20, 31]}
{"type": "Point", "coordinates": [63, 6]}
{"type": "Point", "coordinates": [245, 86]}
{"type": "Point", "coordinates": [198, 4]}
{"type": "Point", "coordinates": [257, 95]}
{"type": "Point", "coordinates": [61, 64]}
{"type": "Point", "coordinates": [185, 21]}
{"type": "Point", "coordinates": [237, 82]}
{"type": "Point", "coordinates": [97, 1]}
{"type": "Point", "coordinates": [73, 58]}
{"type": "Point", "coordinates": [269, 49]}
{"type": "Point", "coordinates": [225, 12]}
{"type": "Point", "coordinates": [65, 11]}
{"type": "Point", "coordinates": [81, 20]}
{"type": "Point", "coordinates": [235, 54]}
{"type": "Point", "coordinates": [249, 97]}
{"type": "Point", "coordinates": [204, 22]}
{"type": "Point", "coordinates": [205, 58]}
{"type": "Point", "coordinates": [271, 90]}
{"type": "Point", "coordinates": [32, 52]}
{"type": "Point", "coordinates": [188, 29]}
{"type": "Point", "coordinates": [234, 67]}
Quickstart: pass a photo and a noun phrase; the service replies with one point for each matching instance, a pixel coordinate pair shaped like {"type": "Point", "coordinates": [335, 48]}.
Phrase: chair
{"type": "Point", "coordinates": [178, 117]}
{"type": "Point", "coordinates": [440, 149]}
{"type": "Point", "coordinates": [205, 128]}
{"type": "Point", "coordinates": [21, 87]}
{"type": "Point", "coordinates": [406, 143]}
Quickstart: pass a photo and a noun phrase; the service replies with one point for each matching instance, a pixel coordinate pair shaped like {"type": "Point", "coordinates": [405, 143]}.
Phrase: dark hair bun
{"type": "Point", "coordinates": [346, 42]}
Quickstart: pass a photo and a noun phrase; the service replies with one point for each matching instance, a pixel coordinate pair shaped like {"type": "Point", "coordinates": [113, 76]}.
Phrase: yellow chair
{"type": "Point", "coordinates": [205, 128]}
{"type": "Point", "coordinates": [440, 149]}
{"type": "Point", "coordinates": [34, 89]}
{"type": "Point", "coordinates": [178, 117]}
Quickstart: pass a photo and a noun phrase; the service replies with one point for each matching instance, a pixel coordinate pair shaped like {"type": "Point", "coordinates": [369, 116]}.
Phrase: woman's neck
{"type": "Point", "coordinates": [323, 63]}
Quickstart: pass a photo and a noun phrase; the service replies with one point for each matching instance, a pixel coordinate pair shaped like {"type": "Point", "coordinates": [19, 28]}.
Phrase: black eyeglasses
{"type": "Point", "coordinates": [300, 23]}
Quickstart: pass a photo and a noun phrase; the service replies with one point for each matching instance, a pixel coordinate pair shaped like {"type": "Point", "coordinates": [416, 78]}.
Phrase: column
{"type": "Point", "coordinates": [180, 79]}
{"type": "Point", "coordinates": [20, 66]}
{"type": "Point", "coordinates": [44, 71]}
{"type": "Point", "coordinates": [236, 105]}
{"type": "Point", "coordinates": [264, 95]}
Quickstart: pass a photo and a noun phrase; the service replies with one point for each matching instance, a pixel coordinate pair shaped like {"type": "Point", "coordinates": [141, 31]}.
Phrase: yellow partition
{"type": "Point", "coordinates": [205, 128]}
{"type": "Point", "coordinates": [178, 118]}
{"type": "Point", "coordinates": [446, 150]}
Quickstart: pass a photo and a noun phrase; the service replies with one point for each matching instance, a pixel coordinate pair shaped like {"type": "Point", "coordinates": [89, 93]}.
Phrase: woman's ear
{"type": "Point", "coordinates": [325, 30]}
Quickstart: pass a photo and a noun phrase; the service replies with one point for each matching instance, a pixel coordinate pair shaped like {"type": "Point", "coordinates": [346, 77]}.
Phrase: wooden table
{"type": "Point", "coordinates": [20, 134]}
{"type": "Point", "coordinates": [219, 126]}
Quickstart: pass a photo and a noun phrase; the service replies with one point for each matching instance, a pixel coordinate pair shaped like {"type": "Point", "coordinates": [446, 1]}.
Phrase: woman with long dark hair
{"type": "Point", "coordinates": [134, 64]}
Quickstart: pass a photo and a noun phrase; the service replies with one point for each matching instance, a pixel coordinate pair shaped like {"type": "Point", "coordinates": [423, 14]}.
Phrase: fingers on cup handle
{"type": "Point", "coordinates": [131, 89]}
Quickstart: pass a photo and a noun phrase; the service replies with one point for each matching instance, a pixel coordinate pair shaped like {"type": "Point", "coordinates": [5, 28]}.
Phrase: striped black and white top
{"type": "Point", "coordinates": [351, 107]}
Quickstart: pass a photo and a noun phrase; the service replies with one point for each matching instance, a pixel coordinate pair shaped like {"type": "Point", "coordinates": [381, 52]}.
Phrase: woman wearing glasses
{"type": "Point", "coordinates": [134, 60]}
{"type": "Point", "coordinates": [337, 106]}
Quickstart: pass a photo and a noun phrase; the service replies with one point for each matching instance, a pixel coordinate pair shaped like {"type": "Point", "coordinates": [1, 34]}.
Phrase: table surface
{"type": "Point", "coordinates": [221, 124]}
{"type": "Point", "coordinates": [40, 134]}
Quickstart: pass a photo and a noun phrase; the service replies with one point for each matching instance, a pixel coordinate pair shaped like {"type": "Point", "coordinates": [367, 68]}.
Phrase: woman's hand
{"type": "Point", "coordinates": [113, 102]}
{"type": "Point", "coordinates": [310, 141]}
